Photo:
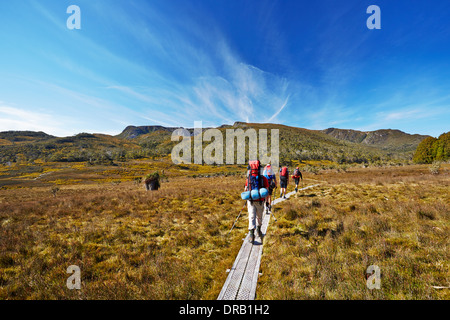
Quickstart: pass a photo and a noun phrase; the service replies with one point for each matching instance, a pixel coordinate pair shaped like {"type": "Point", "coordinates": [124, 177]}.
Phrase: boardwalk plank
{"type": "Point", "coordinates": [243, 277]}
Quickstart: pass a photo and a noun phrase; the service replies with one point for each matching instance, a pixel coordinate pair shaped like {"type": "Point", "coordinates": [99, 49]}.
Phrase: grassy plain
{"type": "Point", "coordinates": [396, 218]}
{"type": "Point", "coordinates": [174, 243]}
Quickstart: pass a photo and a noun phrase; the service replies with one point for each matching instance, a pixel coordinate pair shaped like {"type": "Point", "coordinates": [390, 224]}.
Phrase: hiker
{"type": "Point", "coordinates": [297, 176]}
{"type": "Point", "coordinates": [284, 179]}
{"type": "Point", "coordinates": [272, 179]}
{"type": "Point", "coordinates": [255, 181]}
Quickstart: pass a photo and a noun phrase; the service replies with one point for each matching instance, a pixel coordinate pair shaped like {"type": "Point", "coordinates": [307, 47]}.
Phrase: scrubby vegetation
{"type": "Point", "coordinates": [432, 149]}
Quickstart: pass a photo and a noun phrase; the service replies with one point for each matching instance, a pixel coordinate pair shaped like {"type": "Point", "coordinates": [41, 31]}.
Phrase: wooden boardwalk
{"type": "Point", "coordinates": [243, 276]}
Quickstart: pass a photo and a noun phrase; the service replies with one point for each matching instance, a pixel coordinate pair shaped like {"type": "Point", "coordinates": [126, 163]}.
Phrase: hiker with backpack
{"type": "Point", "coordinates": [272, 179]}
{"type": "Point", "coordinates": [255, 184]}
{"type": "Point", "coordinates": [297, 176]}
{"type": "Point", "coordinates": [284, 180]}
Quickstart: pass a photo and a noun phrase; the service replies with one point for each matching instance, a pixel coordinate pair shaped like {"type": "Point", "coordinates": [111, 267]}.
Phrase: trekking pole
{"type": "Point", "coordinates": [237, 218]}
{"type": "Point", "coordinates": [271, 209]}
{"type": "Point", "coordinates": [276, 220]}
{"type": "Point", "coordinates": [275, 196]}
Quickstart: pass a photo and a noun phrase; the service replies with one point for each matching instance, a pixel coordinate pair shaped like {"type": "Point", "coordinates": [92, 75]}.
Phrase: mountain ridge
{"type": "Point", "coordinates": [131, 132]}
{"type": "Point", "coordinates": [387, 139]}
{"type": "Point", "coordinates": [337, 145]}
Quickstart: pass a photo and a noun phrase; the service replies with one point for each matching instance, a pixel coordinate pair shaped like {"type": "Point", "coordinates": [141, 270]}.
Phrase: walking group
{"type": "Point", "coordinates": [259, 187]}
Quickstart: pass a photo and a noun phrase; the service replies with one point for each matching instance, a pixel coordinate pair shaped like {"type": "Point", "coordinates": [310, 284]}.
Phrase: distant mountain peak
{"type": "Point", "coordinates": [132, 132]}
{"type": "Point", "coordinates": [389, 139]}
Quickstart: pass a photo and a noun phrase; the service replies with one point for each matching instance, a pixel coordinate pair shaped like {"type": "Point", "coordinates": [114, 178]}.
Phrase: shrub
{"type": "Point", "coordinates": [434, 168]}
{"type": "Point", "coordinates": [152, 181]}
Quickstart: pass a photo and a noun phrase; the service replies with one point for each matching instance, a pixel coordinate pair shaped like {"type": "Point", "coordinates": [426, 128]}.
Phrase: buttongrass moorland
{"type": "Point", "coordinates": [174, 243]}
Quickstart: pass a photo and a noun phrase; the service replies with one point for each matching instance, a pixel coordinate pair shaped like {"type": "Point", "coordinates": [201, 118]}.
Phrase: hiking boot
{"type": "Point", "coordinates": [252, 236]}
{"type": "Point", "coordinates": [296, 189]}
{"type": "Point", "coordinates": [259, 232]}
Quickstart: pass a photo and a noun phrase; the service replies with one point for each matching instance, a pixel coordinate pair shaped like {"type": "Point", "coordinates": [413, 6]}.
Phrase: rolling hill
{"type": "Point", "coordinates": [18, 137]}
{"type": "Point", "coordinates": [296, 144]}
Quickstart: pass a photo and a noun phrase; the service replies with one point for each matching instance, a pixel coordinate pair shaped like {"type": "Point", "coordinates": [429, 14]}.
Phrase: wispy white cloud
{"type": "Point", "coordinates": [415, 112]}
{"type": "Point", "coordinates": [210, 81]}
{"type": "Point", "coordinates": [278, 112]}
{"type": "Point", "coordinates": [404, 115]}
{"type": "Point", "coordinates": [14, 118]}
{"type": "Point", "coordinates": [236, 92]}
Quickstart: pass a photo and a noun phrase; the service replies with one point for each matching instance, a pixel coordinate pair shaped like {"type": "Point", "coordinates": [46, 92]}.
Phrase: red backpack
{"type": "Point", "coordinates": [255, 180]}
{"type": "Point", "coordinates": [254, 167]}
{"type": "Point", "coordinates": [284, 172]}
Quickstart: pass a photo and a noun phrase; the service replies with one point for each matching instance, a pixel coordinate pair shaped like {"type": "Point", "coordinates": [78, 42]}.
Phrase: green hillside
{"type": "Point", "coordinates": [132, 132]}
{"type": "Point", "coordinates": [19, 137]}
{"type": "Point", "coordinates": [296, 145]}
{"type": "Point", "coordinates": [95, 148]}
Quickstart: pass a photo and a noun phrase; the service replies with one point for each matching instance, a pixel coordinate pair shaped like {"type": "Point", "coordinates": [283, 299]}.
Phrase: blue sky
{"type": "Point", "coordinates": [310, 64]}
